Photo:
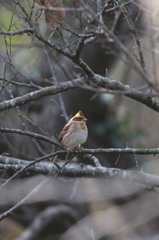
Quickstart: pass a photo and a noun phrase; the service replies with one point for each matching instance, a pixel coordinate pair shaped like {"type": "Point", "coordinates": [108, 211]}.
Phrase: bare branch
{"type": "Point", "coordinates": [47, 216]}
{"type": "Point", "coordinates": [25, 167]}
{"type": "Point", "coordinates": [37, 94]}
{"type": "Point", "coordinates": [18, 32]}
{"type": "Point", "coordinates": [30, 134]}
{"type": "Point", "coordinates": [136, 37]}
{"type": "Point", "coordinates": [72, 170]}
{"type": "Point", "coordinates": [99, 80]}
{"type": "Point", "coordinates": [147, 181]}
{"type": "Point", "coordinates": [11, 210]}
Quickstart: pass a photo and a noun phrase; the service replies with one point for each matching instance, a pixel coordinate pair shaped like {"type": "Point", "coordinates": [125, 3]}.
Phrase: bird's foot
{"type": "Point", "coordinates": [70, 149]}
{"type": "Point", "coordinates": [79, 148]}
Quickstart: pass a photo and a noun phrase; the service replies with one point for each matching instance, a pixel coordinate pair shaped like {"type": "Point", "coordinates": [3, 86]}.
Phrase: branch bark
{"type": "Point", "coordinates": [146, 181]}
{"type": "Point", "coordinates": [104, 82]}
{"type": "Point", "coordinates": [72, 170]}
{"type": "Point", "coordinates": [31, 134]}
{"type": "Point", "coordinates": [18, 32]}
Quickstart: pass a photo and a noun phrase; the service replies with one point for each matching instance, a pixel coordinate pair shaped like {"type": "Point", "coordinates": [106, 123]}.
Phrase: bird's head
{"type": "Point", "coordinates": [79, 117]}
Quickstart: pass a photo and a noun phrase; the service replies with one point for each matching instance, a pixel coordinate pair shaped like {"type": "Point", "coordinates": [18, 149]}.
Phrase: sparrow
{"type": "Point", "coordinates": [75, 132]}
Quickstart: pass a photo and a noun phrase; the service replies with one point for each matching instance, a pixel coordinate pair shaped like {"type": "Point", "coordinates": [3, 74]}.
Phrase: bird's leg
{"type": "Point", "coordinates": [70, 149]}
{"type": "Point", "coordinates": [79, 147]}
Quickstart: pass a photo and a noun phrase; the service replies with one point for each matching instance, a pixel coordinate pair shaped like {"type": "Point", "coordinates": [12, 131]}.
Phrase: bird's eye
{"type": "Point", "coordinates": [78, 119]}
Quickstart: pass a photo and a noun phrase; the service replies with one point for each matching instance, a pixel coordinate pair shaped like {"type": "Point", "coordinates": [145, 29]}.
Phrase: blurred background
{"type": "Point", "coordinates": [79, 208]}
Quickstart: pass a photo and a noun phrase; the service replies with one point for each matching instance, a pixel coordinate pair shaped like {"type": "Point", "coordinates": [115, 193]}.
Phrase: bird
{"type": "Point", "coordinates": [75, 132]}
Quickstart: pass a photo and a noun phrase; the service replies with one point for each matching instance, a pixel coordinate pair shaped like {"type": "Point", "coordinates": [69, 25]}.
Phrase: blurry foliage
{"type": "Point", "coordinates": [117, 126]}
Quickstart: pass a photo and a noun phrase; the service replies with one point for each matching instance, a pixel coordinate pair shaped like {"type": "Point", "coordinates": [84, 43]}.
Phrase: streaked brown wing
{"type": "Point", "coordinates": [64, 131]}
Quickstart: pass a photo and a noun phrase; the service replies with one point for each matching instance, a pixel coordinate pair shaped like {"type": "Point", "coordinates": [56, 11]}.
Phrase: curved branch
{"type": "Point", "coordinates": [132, 93]}
{"type": "Point", "coordinates": [104, 82]}
{"type": "Point", "coordinates": [30, 134]}
{"type": "Point", "coordinates": [29, 97]}
{"type": "Point", "coordinates": [46, 217]}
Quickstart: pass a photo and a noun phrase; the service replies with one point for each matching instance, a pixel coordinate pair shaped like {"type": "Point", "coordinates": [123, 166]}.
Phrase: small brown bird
{"type": "Point", "coordinates": [75, 132]}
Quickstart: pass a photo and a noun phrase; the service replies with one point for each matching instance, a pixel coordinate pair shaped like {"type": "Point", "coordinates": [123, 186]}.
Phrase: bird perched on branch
{"type": "Point", "coordinates": [75, 132]}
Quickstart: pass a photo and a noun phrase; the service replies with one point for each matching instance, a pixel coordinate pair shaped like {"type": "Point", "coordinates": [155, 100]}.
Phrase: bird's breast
{"type": "Point", "coordinates": [76, 138]}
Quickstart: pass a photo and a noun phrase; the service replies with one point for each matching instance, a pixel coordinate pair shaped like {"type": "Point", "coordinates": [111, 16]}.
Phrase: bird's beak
{"type": "Point", "coordinates": [85, 119]}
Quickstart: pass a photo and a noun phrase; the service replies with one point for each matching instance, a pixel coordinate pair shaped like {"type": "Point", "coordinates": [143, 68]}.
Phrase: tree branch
{"type": "Point", "coordinates": [30, 134]}
{"type": "Point", "coordinates": [136, 37]}
{"type": "Point", "coordinates": [29, 97]}
{"type": "Point", "coordinates": [12, 209]}
{"type": "Point", "coordinates": [18, 32]}
{"type": "Point", "coordinates": [46, 217]}
{"type": "Point", "coordinates": [27, 165]}
{"type": "Point", "coordinates": [145, 180]}
{"type": "Point", "coordinates": [132, 93]}
{"type": "Point", "coordinates": [72, 170]}
{"type": "Point", "coordinates": [104, 82]}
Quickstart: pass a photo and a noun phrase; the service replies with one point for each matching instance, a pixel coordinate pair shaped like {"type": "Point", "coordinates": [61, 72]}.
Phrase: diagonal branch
{"type": "Point", "coordinates": [104, 82]}
{"type": "Point", "coordinates": [25, 165]}
{"type": "Point", "coordinates": [132, 93]}
{"type": "Point", "coordinates": [20, 203]}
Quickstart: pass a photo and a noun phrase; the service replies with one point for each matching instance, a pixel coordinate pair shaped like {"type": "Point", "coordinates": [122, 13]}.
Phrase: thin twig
{"type": "Point", "coordinates": [136, 37]}
{"type": "Point", "coordinates": [62, 105]}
